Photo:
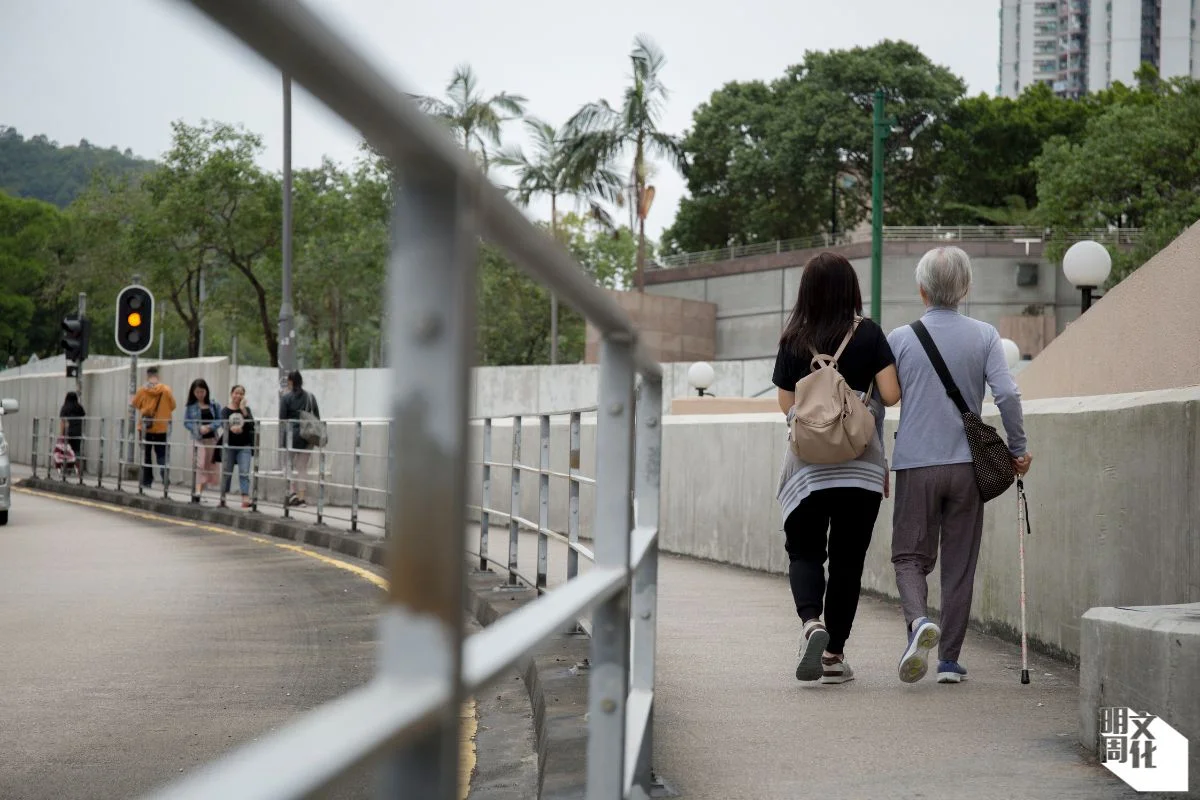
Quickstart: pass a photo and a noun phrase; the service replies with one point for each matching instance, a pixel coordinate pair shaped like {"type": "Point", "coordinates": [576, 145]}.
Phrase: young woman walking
{"type": "Point", "coordinates": [829, 510]}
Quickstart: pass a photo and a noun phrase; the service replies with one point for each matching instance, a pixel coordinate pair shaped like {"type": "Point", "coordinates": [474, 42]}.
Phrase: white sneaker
{"type": "Point", "coordinates": [835, 670]}
{"type": "Point", "coordinates": [812, 645]}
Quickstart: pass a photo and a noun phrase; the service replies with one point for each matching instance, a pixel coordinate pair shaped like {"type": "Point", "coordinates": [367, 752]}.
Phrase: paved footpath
{"type": "Point", "coordinates": [733, 722]}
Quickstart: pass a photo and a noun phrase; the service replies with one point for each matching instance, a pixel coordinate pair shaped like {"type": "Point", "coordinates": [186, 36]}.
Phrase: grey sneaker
{"type": "Point", "coordinates": [835, 670]}
{"type": "Point", "coordinates": [915, 661]}
{"type": "Point", "coordinates": [812, 645]}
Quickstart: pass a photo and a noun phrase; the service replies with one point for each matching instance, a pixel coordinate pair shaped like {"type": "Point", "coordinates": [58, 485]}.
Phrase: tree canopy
{"type": "Point", "coordinates": [39, 168]}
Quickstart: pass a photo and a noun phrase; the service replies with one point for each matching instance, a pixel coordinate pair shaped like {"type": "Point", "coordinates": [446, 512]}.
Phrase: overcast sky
{"type": "Point", "coordinates": [117, 72]}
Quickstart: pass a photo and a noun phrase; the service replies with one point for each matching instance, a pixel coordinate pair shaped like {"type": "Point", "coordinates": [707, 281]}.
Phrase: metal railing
{"type": "Point", "coordinates": [407, 717]}
{"type": "Point", "coordinates": [344, 481]}
{"type": "Point", "coordinates": [898, 233]}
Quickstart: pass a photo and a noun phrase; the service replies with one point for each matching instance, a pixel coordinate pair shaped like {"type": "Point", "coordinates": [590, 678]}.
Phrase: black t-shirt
{"type": "Point", "coordinates": [246, 437]}
{"type": "Point", "coordinates": [206, 418]}
{"type": "Point", "coordinates": [865, 355]}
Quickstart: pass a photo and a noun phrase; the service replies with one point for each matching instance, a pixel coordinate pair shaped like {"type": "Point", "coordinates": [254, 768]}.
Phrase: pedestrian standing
{"type": "Point", "coordinates": [71, 417]}
{"type": "Point", "coordinates": [156, 403]}
{"type": "Point", "coordinates": [238, 443]}
{"type": "Point", "coordinates": [295, 406]}
{"type": "Point", "coordinates": [202, 418]}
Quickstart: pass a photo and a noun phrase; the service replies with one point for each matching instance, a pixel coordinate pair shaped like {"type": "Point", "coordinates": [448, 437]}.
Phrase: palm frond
{"type": "Point", "coordinates": [664, 145]}
{"type": "Point", "coordinates": [592, 118]}
{"type": "Point", "coordinates": [648, 59]}
{"type": "Point", "coordinates": [514, 104]}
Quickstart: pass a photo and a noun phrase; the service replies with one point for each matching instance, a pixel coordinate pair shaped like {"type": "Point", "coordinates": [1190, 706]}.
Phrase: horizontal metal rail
{"type": "Point", "coordinates": [443, 205]}
{"type": "Point", "coordinates": [898, 233]}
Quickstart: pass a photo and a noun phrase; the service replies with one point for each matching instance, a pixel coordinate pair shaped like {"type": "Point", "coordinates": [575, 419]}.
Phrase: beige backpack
{"type": "Point", "coordinates": [830, 424]}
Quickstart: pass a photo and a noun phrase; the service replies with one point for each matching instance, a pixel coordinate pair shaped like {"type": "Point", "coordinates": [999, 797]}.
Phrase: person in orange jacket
{"type": "Point", "coordinates": [155, 402]}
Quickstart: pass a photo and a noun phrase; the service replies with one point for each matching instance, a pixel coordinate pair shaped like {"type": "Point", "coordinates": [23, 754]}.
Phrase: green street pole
{"type": "Point", "coordinates": [881, 132]}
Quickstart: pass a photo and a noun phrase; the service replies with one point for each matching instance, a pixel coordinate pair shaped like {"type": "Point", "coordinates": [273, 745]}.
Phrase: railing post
{"type": "Point", "coordinates": [543, 504]}
{"type": "Point", "coordinates": [255, 466]}
{"type": "Point", "coordinates": [121, 454]}
{"type": "Point", "coordinates": [609, 679]}
{"type": "Point", "coordinates": [82, 446]}
{"type": "Point", "coordinates": [321, 486]}
{"type": "Point", "coordinates": [645, 577]}
{"type": "Point", "coordinates": [194, 446]}
{"type": "Point", "coordinates": [166, 469]}
{"type": "Point", "coordinates": [514, 503]}
{"type": "Point", "coordinates": [573, 497]}
{"type": "Point", "coordinates": [33, 456]}
{"type": "Point", "coordinates": [356, 476]}
{"type": "Point", "coordinates": [431, 319]}
{"type": "Point", "coordinates": [100, 460]}
{"type": "Point", "coordinates": [485, 498]}
{"type": "Point", "coordinates": [287, 467]}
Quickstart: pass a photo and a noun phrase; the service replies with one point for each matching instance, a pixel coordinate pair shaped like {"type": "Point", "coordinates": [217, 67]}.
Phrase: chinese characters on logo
{"type": "Point", "coordinates": [1119, 744]}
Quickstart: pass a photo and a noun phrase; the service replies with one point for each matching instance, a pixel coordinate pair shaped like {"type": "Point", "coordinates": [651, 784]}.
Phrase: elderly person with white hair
{"type": "Point", "coordinates": [937, 499]}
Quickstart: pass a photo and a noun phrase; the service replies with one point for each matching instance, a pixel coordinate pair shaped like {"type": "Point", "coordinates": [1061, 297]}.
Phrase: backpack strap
{"type": "Point", "coordinates": [819, 360]}
{"type": "Point", "coordinates": [939, 365]}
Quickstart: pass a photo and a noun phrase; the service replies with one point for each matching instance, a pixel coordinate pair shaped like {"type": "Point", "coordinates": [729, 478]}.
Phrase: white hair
{"type": "Point", "coordinates": [944, 273]}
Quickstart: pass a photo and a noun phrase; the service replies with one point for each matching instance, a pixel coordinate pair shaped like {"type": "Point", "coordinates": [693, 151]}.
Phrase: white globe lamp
{"type": "Point", "coordinates": [1087, 265]}
{"type": "Point", "coordinates": [701, 376]}
{"type": "Point", "coordinates": [1012, 353]}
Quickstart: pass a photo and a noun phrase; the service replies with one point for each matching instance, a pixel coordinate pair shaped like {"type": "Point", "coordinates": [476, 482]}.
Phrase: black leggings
{"type": "Point", "coordinates": [839, 520]}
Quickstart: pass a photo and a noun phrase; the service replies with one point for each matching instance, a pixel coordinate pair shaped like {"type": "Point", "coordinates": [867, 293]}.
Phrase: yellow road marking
{"type": "Point", "coordinates": [469, 725]}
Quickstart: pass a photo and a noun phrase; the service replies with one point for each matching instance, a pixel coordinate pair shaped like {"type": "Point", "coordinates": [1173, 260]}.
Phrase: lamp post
{"type": "Point", "coordinates": [700, 376]}
{"type": "Point", "coordinates": [1087, 265]}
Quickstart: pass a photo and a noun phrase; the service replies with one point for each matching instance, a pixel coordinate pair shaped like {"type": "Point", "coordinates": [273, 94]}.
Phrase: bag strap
{"type": "Point", "coordinates": [833, 360]}
{"type": "Point", "coordinates": [939, 365]}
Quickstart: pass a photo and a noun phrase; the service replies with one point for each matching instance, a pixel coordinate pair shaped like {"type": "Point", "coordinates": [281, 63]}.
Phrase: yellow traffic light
{"type": "Point", "coordinates": [135, 320]}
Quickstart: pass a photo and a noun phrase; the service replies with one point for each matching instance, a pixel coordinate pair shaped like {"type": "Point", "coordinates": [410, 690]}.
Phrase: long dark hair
{"type": "Point", "coordinates": [199, 383]}
{"type": "Point", "coordinates": [828, 299]}
{"type": "Point", "coordinates": [71, 406]}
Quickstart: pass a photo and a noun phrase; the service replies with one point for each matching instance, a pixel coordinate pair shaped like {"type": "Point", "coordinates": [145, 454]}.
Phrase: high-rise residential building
{"type": "Point", "coordinates": [1077, 46]}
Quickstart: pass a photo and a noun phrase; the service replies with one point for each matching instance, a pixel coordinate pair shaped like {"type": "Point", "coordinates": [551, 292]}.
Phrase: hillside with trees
{"type": "Point", "coordinates": [42, 169]}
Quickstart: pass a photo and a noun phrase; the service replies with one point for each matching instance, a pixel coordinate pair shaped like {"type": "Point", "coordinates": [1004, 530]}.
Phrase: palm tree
{"type": "Point", "coordinates": [474, 120]}
{"type": "Point", "coordinates": [552, 172]}
{"type": "Point", "coordinates": [600, 133]}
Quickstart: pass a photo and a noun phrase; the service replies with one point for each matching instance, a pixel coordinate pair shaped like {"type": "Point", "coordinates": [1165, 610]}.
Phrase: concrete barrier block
{"type": "Point", "coordinates": [1146, 658]}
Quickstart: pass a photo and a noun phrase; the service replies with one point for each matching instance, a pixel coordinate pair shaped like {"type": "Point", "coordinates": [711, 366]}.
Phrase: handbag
{"type": "Point", "coordinates": [312, 429]}
{"type": "Point", "coordinates": [990, 457]}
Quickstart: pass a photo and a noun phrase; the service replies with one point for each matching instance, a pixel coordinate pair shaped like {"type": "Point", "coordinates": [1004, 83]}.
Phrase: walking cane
{"type": "Point", "coordinates": [1022, 531]}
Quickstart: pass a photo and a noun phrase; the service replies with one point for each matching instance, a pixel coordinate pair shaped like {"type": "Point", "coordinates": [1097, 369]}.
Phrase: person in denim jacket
{"type": "Point", "coordinates": [202, 418]}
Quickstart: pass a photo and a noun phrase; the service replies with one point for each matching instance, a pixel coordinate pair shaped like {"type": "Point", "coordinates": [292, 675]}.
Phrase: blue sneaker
{"type": "Point", "coordinates": [951, 672]}
{"type": "Point", "coordinates": [922, 638]}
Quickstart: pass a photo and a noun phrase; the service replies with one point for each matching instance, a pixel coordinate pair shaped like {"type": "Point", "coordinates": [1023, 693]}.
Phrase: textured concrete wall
{"type": "Point", "coordinates": [1142, 335]}
{"type": "Point", "coordinates": [753, 304]}
{"type": "Point", "coordinates": [673, 328]}
{"type": "Point", "coordinates": [1114, 499]}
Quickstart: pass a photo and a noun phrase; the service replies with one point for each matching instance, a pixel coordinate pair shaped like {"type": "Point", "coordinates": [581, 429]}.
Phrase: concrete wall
{"type": "Point", "coordinates": [1142, 335]}
{"type": "Point", "coordinates": [1114, 498]}
{"type": "Point", "coordinates": [672, 328]}
{"type": "Point", "coordinates": [752, 305]}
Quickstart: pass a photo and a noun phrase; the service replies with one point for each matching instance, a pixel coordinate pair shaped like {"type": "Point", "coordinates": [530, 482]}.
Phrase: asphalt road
{"type": "Point", "coordinates": [132, 650]}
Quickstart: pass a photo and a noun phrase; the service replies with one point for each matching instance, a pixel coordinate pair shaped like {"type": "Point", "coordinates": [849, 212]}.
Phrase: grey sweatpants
{"type": "Point", "coordinates": [937, 505]}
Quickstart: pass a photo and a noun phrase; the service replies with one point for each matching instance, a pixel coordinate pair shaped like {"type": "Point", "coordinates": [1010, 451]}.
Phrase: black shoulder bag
{"type": "Point", "coordinates": [990, 457]}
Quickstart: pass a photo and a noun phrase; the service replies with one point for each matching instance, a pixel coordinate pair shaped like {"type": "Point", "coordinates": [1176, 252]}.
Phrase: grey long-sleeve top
{"type": "Point", "coordinates": [931, 430]}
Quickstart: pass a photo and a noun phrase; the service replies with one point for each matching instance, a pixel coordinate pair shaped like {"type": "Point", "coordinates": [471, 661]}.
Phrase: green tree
{"type": "Point", "coordinates": [989, 145]}
{"type": "Point", "coordinates": [551, 172]}
{"type": "Point", "coordinates": [341, 261]}
{"type": "Point", "coordinates": [794, 158]}
{"type": "Point", "coordinates": [1138, 165]}
{"type": "Point", "coordinates": [608, 255]}
{"type": "Point", "coordinates": [34, 244]}
{"type": "Point", "coordinates": [599, 134]}
{"type": "Point", "coordinates": [473, 118]}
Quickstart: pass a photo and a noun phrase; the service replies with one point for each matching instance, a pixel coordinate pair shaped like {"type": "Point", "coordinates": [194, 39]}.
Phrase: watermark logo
{"type": "Point", "coordinates": [1143, 750]}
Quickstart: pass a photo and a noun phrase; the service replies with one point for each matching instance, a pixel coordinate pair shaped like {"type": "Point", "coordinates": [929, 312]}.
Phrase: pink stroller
{"type": "Point", "coordinates": [63, 457]}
